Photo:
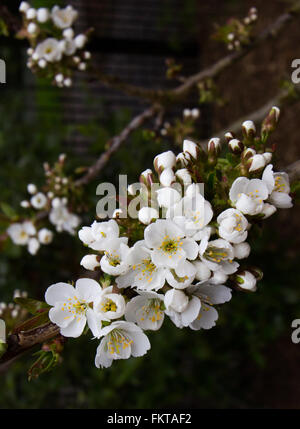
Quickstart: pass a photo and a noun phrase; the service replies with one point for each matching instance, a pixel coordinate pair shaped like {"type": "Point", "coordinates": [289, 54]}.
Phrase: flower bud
{"type": "Point", "coordinates": [191, 148]}
{"type": "Point", "coordinates": [43, 14]}
{"type": "Point", "coordinates": [164, 160]}
{"type": "Point", "coordinates": [32, 28]}
{"type": "Point", "coordinates": [90, 262]}
{"type": "Point", "coordinates": [268, 210]}
{"type": "Point", "coordinates": [229, 136]}
{"type": "Point", "coordinates": [167, 177]}
{"type": "Point", "coordinates": [203, 273]}
{"type": "Point", "coordinates": [184, 176]}
{"type": "Point", "coordinates": [249, 129]}
{"type": "Point", "coordinates": [147, 214]}
{"type": "Point", "coordinates": [183, 158]}
{"type": "Point", "coordinates": [176, 300]}
{"type": "Point", "coordinates": [45, 236]}
{"type": "Point", "coordinates": [241, 250]}
{"type": "Point", "coordinates": [214, 146]}
{"type": "Point", "coordinates": [218, 278]}
{"type": "Point", "coordinates": [24, 6]}
{"type": "Point", "coordinates": [248, 153]}
{"type": "Point", "coordinates": [257, 162]}
{"type": "Point", "coordinates": [80, 40]}
{"type": "Point", "coordinates": [147, 177]}
{"type": "Point", "coordinates": [31, 13]}
{"type": "Point", "coordinates": [195, 113]}
{"type": "Point", "coordinates": [68, 33]}
{"type": "Point", "coordinates": [25, 204]}
{"type": "Point", "coordinates": [31, 188]}
{"type": "Point", "coordinates": [257, 272]}
{"type": "Point", "coordinates": [33, 246]}
{"type": "Point", "coordinates": [268, 157]}
{"type": "Point", "coordinates": [270, 122]}
{"type": "Point", "coordinates": [236, 146]}
{"type": "Point", "coordinates": [246, 281]}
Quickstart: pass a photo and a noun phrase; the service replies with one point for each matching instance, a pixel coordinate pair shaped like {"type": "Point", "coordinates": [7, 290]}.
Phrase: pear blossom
{"type": "Point", "coordinates": [50, 50]}
{"type": "Point", "coordinates": [181, 310]}
{"type": "Point", "coordinates": [120, 341]}
{"type": "Point", "coordinates": [38, 201]}
{"type": "Point", "coordinates": [20, 233]}
{"type": "Point", "coordinates": [248, 195]}
{"type": "Point", "coordinates": [218, 254]}
{"type": "Point", "coordinates": [218, 277]}
{"type": "Point", "coordinates": [71, 305]}
{"type": "Point", "coordinates": [107, 306]}
{"type": "Point", "coordinates": [196, 210]}
{"type": "Point", "coordinates": [232, 226]}
{"type": "Point", "coordinates": [146, 310]}
{"type": "Point", "coordinates": [143, 273]}
{"type": "Point", "coordinates": [278, 185]}
{"type": "Point", "coordinates": [209, 295]}
{"type": "Point", "coordinates": [168, 244]}
{"type": "Point", "coordinates": [63, 18]}
{"type": "Point", "coordinates": [97, 235]}
{"type": "Point", "coordinates": [62, 218]}
{"type": "Point", "coordinates": [203, 273]}
{"type": "Point", "coordinates": [115, 259]}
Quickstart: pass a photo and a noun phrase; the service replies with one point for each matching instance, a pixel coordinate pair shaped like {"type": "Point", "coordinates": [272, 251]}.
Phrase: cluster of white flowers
{"type": "Point", "coordinates": [55, 47]}
{"type": "Point", "coordinates": [235, 38]}
{"type": "Point", "coordinates": [26, 234]}
{"type": "Point", "coordinates": [42, 206]}
{"type": "Point", "coordinates": [180, 265]}
{"type": "Point", "coordinates": [186, 251]}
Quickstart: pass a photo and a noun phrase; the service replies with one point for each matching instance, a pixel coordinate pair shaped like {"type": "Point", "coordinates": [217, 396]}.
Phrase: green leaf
{"type": "Point", "coordinates": [32, 305]}
{"type": "Point", "coordinates": [7, 210]}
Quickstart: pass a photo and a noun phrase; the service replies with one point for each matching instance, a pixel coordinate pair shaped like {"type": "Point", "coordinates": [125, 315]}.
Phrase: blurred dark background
{"type": "Point", "coordinates": [248, 360]}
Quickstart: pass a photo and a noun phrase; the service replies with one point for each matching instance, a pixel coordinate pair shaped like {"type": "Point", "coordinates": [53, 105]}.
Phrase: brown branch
{"type": "Point", "coordinates": [282, 99]}
{"type": "Point", "coordinates": [115, 143]}
{"type": "Point", "coordinates": [179, 93]}
{"type": "Point", "coordinates": [22, 341]}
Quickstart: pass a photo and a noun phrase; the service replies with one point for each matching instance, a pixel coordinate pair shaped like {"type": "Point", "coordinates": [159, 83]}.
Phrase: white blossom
{"type": "Point", "coordinates": [181, 310]}
{"type": "Point", "coordinates": [191, 148]}
{"type": "Point", "coordinates": [63, 18]}
{"type": "Point", "coordinates": [33, 245]}
{"type": "Point", "coordinates": [246, 281]}
{"type": "Point", "coordinates": [168, 244]}
{"type": "Point", "coordinates": [115, 258]}
{"type": "Point", "coordinates": [209, 295]}
{"type": "Point", "coordinates": [164, 160]}
{"type": "Point", "coordinates": [20, 233]}
{"type": "Point", "coordinates": [71, 306]}
{"type": "Point", "coordinates": [50, 50]}
{"type": "Point", "coordinates": [38, 201]}
{"type": "Point", "coordinates": [99, 233]}
{"type": "Point", "coordinates": [232, 226]}
{"type": "Point", "coordinates": [43, 14]}
{"type": "Point", "coordinates": [248, 195]}
{"type": "Point", "coordinates": [45, 236]}
{"type": "Point", "coordinates": [146, 310]}
{"type": "Point", "coordinates": [121, 340]}
{"type": "Point", "coordinates": [278, 185]}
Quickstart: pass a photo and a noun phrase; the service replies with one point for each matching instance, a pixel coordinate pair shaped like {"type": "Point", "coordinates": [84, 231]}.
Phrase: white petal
{"type": "Point", "coordinates": [59, 292]}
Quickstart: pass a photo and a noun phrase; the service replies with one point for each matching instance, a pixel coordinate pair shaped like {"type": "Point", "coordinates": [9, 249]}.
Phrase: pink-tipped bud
{"type": "Point", "coordinates": [270, 122]}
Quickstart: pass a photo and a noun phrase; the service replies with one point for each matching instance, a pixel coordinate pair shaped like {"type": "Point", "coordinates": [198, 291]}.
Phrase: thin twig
{"type": "Point", "coordinates": [115, 144]}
